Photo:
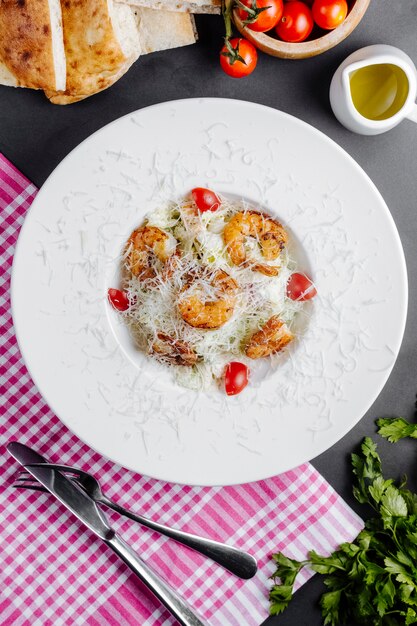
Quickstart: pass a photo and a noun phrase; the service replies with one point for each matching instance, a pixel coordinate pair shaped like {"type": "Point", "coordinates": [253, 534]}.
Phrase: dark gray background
{"type": "Point", "coordinates": [36, 135]}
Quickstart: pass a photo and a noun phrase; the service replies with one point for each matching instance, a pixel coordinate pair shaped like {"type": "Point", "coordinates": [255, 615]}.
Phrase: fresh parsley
{"type": "Point", "coordinates": [396, 428]}
{"type": "Point", "coordinates": [372, 580]}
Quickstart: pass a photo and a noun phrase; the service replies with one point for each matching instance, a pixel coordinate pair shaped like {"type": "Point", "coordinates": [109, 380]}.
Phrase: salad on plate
{"type": "Point", "coordinates": [209, 288]}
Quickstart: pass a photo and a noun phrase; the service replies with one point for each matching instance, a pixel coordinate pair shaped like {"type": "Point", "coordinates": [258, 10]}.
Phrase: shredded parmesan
{"type": "Point", "coordinates": [202, 252]}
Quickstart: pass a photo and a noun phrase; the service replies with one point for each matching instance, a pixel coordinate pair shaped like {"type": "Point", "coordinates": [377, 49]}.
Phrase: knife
{"type": "Point", "coordinates": [79, 503]}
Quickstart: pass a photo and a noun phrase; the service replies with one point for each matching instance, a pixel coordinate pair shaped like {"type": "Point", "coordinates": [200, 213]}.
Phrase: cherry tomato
{"type": "Point", "coordinates": [266, 19]}
{"type": "Point", "coordinates": [308, 2]}
{"type": "Point", "coordinates": [119, 299]}
{"type": "Point", "coordinates": [329, 13]}
{"type": "Point", "coordinates": [236, 378]}
{"type": "Point", "coordinates": [237, 68]}
{"type": "Point", "coordinates": [205, 199]}
{"type": "Point", "coordinates": [300, 287]}
{"type": "Point", "coordinates": [296, 22]}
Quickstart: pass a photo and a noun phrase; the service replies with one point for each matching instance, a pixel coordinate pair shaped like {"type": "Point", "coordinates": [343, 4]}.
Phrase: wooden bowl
{"type": "Point", "coordinates": [305, 49]}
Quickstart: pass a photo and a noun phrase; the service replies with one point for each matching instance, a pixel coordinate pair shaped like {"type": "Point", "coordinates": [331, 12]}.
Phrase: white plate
{"type": "Point", "coordinates": [129, 409]}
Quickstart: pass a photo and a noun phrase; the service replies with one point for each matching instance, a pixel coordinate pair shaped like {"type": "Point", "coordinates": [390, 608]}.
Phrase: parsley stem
{"type": "Point", "coordinates": [392, 612]}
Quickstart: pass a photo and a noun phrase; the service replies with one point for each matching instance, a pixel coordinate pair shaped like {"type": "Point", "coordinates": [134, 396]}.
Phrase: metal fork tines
{"type": "Point", "coordinates": [236, 561]}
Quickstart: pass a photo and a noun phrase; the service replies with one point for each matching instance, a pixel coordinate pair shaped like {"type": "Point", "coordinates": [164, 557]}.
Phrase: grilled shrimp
{"type": "Point", "coordinates": [273, 337]}
{"type": "Point", "coordinates": [270, 234]}
{"type": "Point", "coordinates": [201, 312]}
{"type": "Point", "coordinates": [144, 243]}
{"type": "Point", "coordinates": [173, 350]}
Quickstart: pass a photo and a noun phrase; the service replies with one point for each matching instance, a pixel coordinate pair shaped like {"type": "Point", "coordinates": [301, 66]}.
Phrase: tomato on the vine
{"type": "Point", "coordinates": [236, 377]}
{"type": "Point", "coordinates": [238, 57]}
{"type": "Point", "coordinates": [300, 287]}
{"type": "Point", "coordinates": [205, 199]}
{"type": "Point", "coordinates": [296, 22]}
{"type": "Point", "coordinates": [119, 299]}
{"type": "Point", "coordinates": [265, 14]}
{"type": "Point", "coordinates": [329, 14]}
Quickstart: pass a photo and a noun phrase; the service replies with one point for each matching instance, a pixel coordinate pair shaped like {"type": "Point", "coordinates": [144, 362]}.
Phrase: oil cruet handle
{"type": "Point", "coordinates": [412, 114]}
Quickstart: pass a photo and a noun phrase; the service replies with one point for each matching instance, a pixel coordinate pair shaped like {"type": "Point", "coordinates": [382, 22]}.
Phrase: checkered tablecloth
{"type": "Point", "coordinates": [54, 572]}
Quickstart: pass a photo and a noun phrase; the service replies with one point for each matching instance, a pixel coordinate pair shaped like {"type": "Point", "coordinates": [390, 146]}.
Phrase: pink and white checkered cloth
{"type": "Point", "coordinates": [55, 572]}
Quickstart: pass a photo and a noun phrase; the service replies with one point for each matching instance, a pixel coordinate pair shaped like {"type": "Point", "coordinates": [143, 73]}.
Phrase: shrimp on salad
{"type": "Point", "coordinates": [147, 242]}
{"type": "Point", "coordinates": [273, 337]}
{"type": "Point", "coordinates": [173, 350]}
{"type": "Point", "coordinates": [269, 233]}
{"type": "Point", "coordinates": [211, 309]}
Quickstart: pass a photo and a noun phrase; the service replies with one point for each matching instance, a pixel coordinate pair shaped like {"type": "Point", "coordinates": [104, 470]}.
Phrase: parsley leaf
{"type": "Point", "coordinates": [392, 504]}
{"type": "Point", "coordinates": [330, 604]}
{"type": "Point", "coordinates": [410, 617]}
{"type": "Point", "coordinates": [280, 596]}
{"type": "Point", "coordinates": [395, 428]}
{"type": "Point", "coordinates": [287, 569]}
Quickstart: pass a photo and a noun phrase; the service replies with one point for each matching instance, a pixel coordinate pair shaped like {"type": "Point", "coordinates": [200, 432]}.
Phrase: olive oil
{"type": "Point", "coordinates": [379, 91]}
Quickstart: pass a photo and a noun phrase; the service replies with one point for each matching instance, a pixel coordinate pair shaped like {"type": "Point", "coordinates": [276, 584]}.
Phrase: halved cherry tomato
{"type": "Point", "coordinates": [235, 67]}
{"type": "Point", "coordinates": [300, 287]}
{"type": "Point", "coordinates": [268, 16]}
{"type": "Point", "coordinates": [236, 378]}
{"type": "Point", "coordinates": [119, 299]}
{"type": "Point", "coordinates": [296, 22]}
{"type": "Point", "coordinates": [328, 14]}
{"type": "Point", "coordinates": [205, 199]}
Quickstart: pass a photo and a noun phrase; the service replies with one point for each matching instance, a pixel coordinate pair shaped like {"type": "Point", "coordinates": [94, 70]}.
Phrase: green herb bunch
{"type": "Point", "coordinates": [372, 580]}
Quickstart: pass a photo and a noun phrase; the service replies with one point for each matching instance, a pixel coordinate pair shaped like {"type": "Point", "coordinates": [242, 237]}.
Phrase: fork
{"type": "Point", "coordinates": [236, 561]}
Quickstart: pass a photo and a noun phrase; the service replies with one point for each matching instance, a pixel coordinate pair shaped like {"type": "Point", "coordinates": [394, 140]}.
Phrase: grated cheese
{"type": "Point", "coordinates": [202, 252]}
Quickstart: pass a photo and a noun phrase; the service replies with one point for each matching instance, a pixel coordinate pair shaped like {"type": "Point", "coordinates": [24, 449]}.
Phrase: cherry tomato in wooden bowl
{"type": "Point", "coordinates": [308, 2]}
{"type": "Point", "coordinates": [328, 14]}
{"type": "Point", "coordinates": [236, 377]}
{"type": "Point", "coordinates": [296, 22]}
{"type": "Point", "coordinates": [205, 199]}
{"type": "Point", "coordinates": [288, 46]}
{"type": "Point", "coordinates": [300, 287]}
{"type": "Point", "coordinates": [267, 14]}
{"type": "Point", "coordinates": [119, 299]}
{"type": "Point", "coordinates": [240, 63]}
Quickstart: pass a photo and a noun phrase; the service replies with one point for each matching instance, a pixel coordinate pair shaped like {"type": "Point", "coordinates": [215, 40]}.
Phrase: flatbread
{"type": "Point", "coordinates": [101, 43]}
{"type": "Point", "coordinates": [31, 44]}
{"type": "Point", "coordinates": [162, 30]}
{"type": "Point", "coordinates": [182, 6]}
{"type": "Point", "coordinates": [75, 48]}
{"type": "Point", "coordinates": [6, 77]}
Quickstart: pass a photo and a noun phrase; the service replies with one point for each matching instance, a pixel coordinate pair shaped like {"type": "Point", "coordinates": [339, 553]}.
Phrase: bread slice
{"type": "Point", "coordinates": [31, 44]}
{"type": "Point", "coordinates": [101, 43]}
{"type": "Point", "coordinates": [6, 77]}
{"type": "Point", "coordinates": [60, 65]}
{"type": "Point", "coordinates": [183, 6]}
{"type": "Point", "coordinates": [162, 30]}
{"type": "Point", "coordinates": [76, 48]}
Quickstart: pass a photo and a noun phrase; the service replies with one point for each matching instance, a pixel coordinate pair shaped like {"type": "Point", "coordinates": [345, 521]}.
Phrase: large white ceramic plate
{"type": "Point", "coordinates": [129, 409]}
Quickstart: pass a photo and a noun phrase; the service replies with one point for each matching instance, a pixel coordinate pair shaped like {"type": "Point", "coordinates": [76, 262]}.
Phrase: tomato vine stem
{"type": "Point", "coordinates": [227, 8]}
{"type": "Point", "coordinates": [231, 52]}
